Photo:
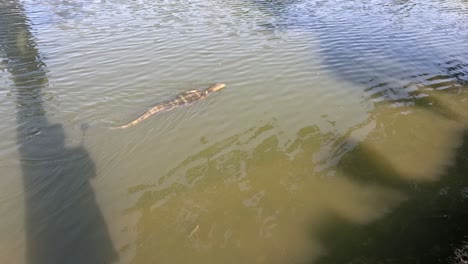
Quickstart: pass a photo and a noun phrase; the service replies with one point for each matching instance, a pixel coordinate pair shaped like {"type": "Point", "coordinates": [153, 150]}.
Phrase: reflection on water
{"type": "Point", "coordinates": [340, 138]}
{"type": "Point", "coordinates": [63, 222]}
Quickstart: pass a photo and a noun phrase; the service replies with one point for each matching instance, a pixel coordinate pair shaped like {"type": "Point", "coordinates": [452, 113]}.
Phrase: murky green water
{"type": "Point", "coordinates": [340, 137]}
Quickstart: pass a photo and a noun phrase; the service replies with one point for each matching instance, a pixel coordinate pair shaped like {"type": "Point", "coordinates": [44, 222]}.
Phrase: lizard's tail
{"type": "Point", "coordinates": [120, 127]}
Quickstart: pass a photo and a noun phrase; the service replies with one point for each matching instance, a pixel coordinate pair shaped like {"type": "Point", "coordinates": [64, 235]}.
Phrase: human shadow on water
{"type": "Point", "coordinates": [62, 219]}
{"type": "Point", "coordinates": [427, 228]}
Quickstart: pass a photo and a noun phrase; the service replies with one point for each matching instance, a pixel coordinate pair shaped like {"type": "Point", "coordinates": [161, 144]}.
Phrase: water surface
{"type": "Point", "coordinates": [340, 134]}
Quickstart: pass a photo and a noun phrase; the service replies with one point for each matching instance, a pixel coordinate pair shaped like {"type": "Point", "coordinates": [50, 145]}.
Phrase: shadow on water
{"type": "Point", "coordinates": [427, 228]}
{"type": "Point", "coordinates": [63, 221]}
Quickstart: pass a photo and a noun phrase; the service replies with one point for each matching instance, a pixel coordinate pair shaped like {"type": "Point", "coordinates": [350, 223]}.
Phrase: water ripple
{"type": "Point", "coordinates": [302, 67]}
